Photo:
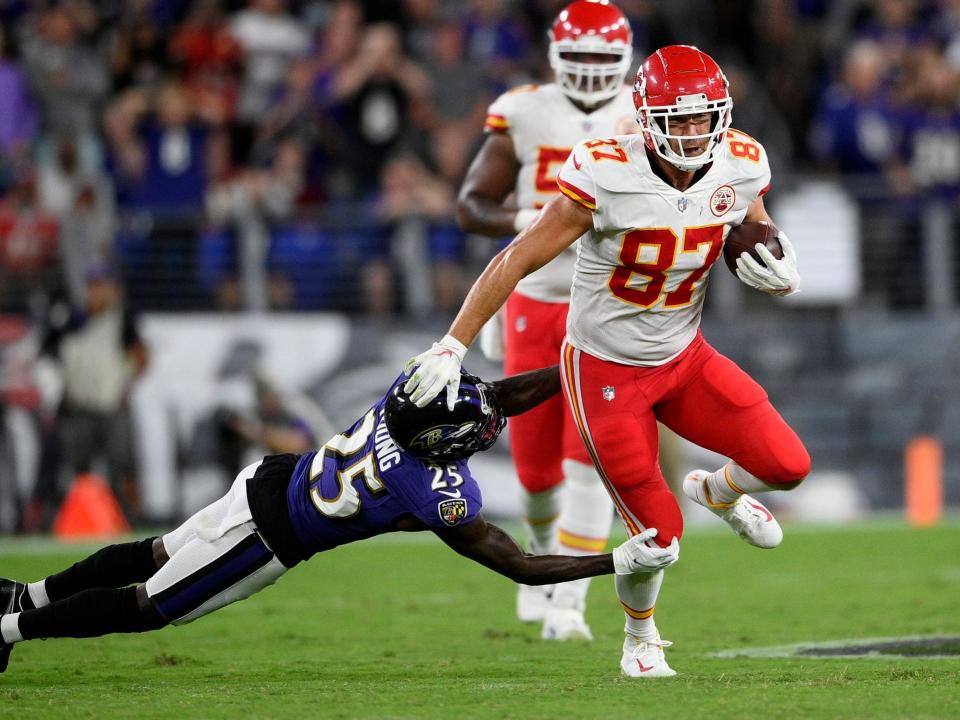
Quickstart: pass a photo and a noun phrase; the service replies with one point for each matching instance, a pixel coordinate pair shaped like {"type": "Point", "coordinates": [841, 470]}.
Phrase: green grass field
{"type": "Point", "coordinates": [400, 627]}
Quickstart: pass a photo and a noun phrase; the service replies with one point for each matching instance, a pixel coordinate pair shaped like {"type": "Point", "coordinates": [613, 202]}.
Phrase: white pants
{"type": "Point", "coordinates": [216, 558]}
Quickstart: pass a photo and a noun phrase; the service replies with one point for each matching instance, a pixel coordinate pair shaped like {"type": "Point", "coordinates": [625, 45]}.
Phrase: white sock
{"type": "Point", "coordinates": [731, 481]}
{"type": "Point", "coordinates": [541, 511]}
{"type": "Point", "coordinates": [638, 596]}
{"type": "Point", "coordinates": [583, 528]}
{"type": "Point", "coordinates": [38, 593]}
{"type": "Point", "coordinates": [10, 628]}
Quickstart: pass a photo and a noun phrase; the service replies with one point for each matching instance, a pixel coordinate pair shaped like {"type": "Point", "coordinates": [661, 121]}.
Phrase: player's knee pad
{"type": "Point", "coordinates": [788, 467]}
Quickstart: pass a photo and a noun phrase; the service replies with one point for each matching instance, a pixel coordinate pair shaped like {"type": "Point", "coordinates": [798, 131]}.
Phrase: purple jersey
{"type": "Point", "coordinates": [360, 482]}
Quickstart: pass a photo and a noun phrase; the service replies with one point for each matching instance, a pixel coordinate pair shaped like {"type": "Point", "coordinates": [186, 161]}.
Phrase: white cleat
{"type": "Point", "coordinates": [565, 624]}
{"type": "Point", "coordinates": [645, 658]}
{"type": "Point", "coordinates": [533, 602]}
{"type": "Point", "coordinates": [747, 516]}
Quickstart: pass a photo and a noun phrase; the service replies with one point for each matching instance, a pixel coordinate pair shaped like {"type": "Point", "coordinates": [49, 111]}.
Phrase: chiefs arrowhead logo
{"type": "Point", "coordinates": [723, 198]}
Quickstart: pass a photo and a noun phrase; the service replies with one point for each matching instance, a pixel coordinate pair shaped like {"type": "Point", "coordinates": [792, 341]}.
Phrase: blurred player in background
{"type": "Point", "coordinates": [398, 468]}
{"type": "Point", "coordinates": [92, 357]}
{"type": "Point", "coordinates": [651, 212]}
{"type": "Point", "coordinates": [530, 132]}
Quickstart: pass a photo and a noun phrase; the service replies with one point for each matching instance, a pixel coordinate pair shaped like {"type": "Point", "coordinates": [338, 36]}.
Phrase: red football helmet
{"type": "Point", "coordinates": [681, 80]}
{"type": "Point", "coordinates": [590, 27]}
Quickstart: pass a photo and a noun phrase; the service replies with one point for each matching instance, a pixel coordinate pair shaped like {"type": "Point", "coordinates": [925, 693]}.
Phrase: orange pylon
{"type": "Point", "coordinates": [90, 510]}
{"type": "Point", "coordinates": [923, 481]}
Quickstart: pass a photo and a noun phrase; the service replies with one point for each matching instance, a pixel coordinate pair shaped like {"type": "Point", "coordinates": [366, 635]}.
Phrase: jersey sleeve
{"type": "Point", "coordinates": [764, 178]}
{"type": "Point", "coordinates": [454, 500]}
{"type": "Point", "coordinates": [499, 114]}
{"type": "Point", "coordinates": [576, 179]}
{"type": "Point", "coordinates": [750, 162]}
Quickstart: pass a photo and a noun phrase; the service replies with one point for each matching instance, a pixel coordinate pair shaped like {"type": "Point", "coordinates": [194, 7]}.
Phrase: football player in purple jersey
{"type": "Point", "coordinates": [398, 468]}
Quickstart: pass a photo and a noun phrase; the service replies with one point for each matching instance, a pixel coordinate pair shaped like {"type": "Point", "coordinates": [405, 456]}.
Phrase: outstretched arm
{"type": "Point", "coordinates": [493, 548]}
{"type": "Point", "coordinates": [518, 393]}
{"type": "Point", "coordinates": [557, 226]}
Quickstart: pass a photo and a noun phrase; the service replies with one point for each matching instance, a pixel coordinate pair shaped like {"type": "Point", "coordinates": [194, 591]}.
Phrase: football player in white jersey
{"type": "Point", "coordinates": [651, 212]}
{"type": "Point", "coordinates": [530, 132]}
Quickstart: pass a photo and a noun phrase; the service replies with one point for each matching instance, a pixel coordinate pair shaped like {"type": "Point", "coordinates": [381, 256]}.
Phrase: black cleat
{"type": "Point", "coordinates": [14, 597]}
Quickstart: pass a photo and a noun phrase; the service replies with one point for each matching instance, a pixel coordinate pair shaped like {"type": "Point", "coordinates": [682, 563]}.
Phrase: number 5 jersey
{"type": "Point", "coordinates": [641, 272]}
{"type": "Point", "coordinates": [544, 125]}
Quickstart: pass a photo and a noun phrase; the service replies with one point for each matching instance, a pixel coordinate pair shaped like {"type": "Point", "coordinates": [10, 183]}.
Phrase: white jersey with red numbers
{"type": "Point", "coordinates": [641, 273]}
{"type": "Point", "coordinates": [544, 126]}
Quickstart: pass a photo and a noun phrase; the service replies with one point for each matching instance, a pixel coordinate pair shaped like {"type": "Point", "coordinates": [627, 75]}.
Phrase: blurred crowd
{"type": "Point", "coordinates": [306, 155]}
{"type": "Point", "coordinates": [183, 140]}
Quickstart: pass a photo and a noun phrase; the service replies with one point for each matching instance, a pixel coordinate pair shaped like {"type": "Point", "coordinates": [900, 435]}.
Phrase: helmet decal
{"type": "Point", "coordinates": [434, 432]}
{"type": "Point", "coordinates": [440, 433]}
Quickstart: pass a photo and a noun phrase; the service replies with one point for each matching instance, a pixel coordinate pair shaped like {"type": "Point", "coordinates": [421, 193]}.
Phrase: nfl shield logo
{"type": "Point", "coordinates": [609, 393]}
{"type": "Point", "coordinates": [452, 511]}
{"type": "Point", "coordinates": [682, 204]}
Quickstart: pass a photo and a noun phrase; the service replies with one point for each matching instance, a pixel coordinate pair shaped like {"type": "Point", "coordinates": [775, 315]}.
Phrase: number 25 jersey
{"type": "Point", "coordinates": [641, 272]}
{"type": "Point", "coordinates": [360, 482]}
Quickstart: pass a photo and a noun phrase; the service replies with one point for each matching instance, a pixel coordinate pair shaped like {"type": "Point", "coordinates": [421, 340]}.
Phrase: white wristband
{"type": "Point", "coordinates": [523, 218]}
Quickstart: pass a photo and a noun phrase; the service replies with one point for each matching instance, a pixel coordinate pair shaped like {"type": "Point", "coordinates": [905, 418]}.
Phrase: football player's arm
{"type": "Point", "coordinates": [555, 228]}
{"type": "Point", "coordinates": [757, 212]}
{"type": "Point", "coordinates": [518, 393]}
{"type": "Point", "coordinates": [493, 548]}
{"type": "Point", "coordinates": [491, 177]}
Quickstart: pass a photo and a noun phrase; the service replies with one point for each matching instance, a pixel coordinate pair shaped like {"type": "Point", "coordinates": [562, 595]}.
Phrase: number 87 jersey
{"type": "Point", "coordinates": [641, 273]}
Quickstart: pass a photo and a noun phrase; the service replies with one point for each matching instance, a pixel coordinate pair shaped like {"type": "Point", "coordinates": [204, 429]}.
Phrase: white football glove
{"type": "Point", "coordinates": [779, 277]}
{"type": "Point", "coordinates": [439, 367]}
{"type": "Point", "coordinates": [635, 555]}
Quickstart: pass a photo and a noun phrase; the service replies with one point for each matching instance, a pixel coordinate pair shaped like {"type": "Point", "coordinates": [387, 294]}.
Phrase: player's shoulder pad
{"type": "Point", "coordinates": [598, 163]}
{"type": "Point", "coordinates": [747, 152]}
{"type": "Point", "coordinates": [746, 163]}
{"type": "Point", "coordinates": [609, 161]}
{"type": "Point", "coordinates": [529, 87]}
{"type": "Point", "coordinates": [508, 110]}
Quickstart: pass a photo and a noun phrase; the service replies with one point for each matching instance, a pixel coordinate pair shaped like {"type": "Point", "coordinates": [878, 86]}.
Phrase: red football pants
{"type": "Point", "coordinates": [534, 333]}
{"type": "Point", "coordinates": [700, 395]}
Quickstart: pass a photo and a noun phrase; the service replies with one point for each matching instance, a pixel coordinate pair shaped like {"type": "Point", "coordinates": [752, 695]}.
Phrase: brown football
{"type": "Point", "coordinates": [743, 238]}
